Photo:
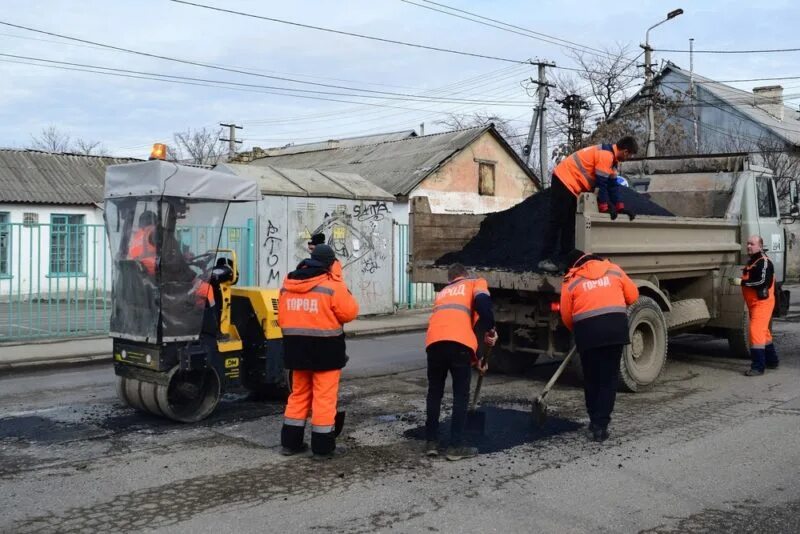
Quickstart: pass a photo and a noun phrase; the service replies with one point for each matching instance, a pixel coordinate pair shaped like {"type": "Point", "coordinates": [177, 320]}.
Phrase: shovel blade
{"type": "Point", "coordinates": [539, 411]}
{"type": "Point", "coordinates": [476, 422]}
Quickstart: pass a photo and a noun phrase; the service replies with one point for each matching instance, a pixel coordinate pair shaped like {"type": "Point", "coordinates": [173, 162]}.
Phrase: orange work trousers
{"type": "Point", "coordinates": [760, 316]}
{"type": "Point", "coordinates": [314, 393]}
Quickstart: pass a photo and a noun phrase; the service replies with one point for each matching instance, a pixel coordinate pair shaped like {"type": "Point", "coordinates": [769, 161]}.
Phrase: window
{"type": "Point", "coordinates": [67, 244]}
{"type": "Point", "coordinates": [30, 219]}
{"type": "Point", "coordinates": [486, 178]}
{"type": "Point", "coordinates": [765, 191]}
{"type": "Point", "coordinates": [5, 243]}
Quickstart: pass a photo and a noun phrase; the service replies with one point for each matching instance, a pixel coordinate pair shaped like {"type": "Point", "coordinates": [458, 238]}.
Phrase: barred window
{"type": "Point", "coordinates": [5, 243]}
{"type": "Point", "coordinates": [67, 244]}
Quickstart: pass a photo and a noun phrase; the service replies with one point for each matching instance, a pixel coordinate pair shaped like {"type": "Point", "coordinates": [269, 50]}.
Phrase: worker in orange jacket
{"type": "Point", "coordinates": [314, 304]}
{"type": "Point", "coordinates": [143, 249]}
{"type": "Point", "coordinates": [758, 290]}
{"type": "Point", "coordinates": [451, 345]}
{"type": "Point", "coordinates": [583, 171]}
{"type": "Point", "coordinates": [594, 300]}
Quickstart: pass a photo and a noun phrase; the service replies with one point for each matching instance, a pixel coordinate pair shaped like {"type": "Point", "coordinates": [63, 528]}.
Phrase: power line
{"type": "Point", "coordinates": [528, 33]}
{"type": "Point", "coordinates": [350, 34]}
{"type": "Point", "coordinates": [200, 64]}
{"type": "Point", "coordinates": [762, 51]}
{"type": "Point", "coordinates": [408, 98]}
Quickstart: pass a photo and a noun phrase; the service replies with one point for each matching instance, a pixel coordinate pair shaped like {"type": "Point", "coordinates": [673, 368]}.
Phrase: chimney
{"type": "Point", "coordinates": [422, 128]}
{"type": "Point", "coordinates": [770, 99]}
{"type": "Point", "coordinates": [333, 143]}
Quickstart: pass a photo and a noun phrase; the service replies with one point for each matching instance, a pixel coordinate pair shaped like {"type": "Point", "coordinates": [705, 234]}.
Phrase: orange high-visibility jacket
{"type": "Point", "coordinates": [454, 316]}
{"type": "Point", "coordinates": [143, 249]}
{"type": "Point", "coordinates": [594, 300]}
{"type": "Point", "coordinates": [590, 167]}
{"type": "Point", "coordinates": [316, 307]}
{"type": "Point", "coordinates": [758, 272]}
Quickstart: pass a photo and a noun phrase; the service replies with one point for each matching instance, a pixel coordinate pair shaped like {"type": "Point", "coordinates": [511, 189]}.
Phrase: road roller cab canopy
{"type": "Point", "coordinates": [164, 223]}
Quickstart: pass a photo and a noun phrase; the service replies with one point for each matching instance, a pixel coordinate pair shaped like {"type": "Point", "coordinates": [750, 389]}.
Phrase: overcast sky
{"type": "Point", "coordinates": [127, 115]}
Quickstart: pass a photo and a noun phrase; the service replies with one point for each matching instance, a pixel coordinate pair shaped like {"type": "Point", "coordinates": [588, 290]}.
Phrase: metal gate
{"type": "Point", "coordinates": [55, 279]}
{"type": "Point", "coordinates": [407, 294]}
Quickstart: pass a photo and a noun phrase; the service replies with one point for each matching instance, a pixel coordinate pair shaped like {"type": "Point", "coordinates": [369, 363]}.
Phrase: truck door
{"type": "Point", "coordinates": [769, 222]}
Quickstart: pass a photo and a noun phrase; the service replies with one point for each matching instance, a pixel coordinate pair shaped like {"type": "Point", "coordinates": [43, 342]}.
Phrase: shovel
{"type": "Point", "coordinates": [539, 408]}
{"type": "Point", "coordinates": [476, 420]}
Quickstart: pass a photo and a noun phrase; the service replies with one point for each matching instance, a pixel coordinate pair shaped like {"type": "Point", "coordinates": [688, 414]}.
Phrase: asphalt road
{"type": "Point", "coordinates": [707, 450]}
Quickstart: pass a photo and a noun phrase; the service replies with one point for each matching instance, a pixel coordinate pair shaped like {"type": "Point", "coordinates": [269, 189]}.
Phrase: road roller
{"type": "Point", "coordinates": [184, 333]}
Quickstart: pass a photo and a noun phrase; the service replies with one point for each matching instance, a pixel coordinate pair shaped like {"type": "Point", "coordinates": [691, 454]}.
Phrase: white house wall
{"type": "Point", "coordinates": [30, 276]}
{"type": "Point", "coordinates": [359, 231]}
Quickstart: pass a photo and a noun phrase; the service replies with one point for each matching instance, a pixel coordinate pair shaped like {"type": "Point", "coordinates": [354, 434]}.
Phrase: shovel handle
{"type": "Point", "coordinates": [558, 372]}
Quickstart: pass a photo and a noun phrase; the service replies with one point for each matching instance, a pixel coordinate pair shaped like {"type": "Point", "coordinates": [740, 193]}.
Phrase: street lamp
{"type": "Point", "coordinates": [648, 83]}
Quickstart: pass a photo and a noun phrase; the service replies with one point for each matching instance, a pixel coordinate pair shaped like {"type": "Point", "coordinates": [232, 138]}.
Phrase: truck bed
{"type": "Point", "coordinates": [664, 247]}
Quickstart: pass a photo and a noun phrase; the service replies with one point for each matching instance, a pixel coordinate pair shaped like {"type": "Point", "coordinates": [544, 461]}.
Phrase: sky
{"type": "Point", "coordinates": [379, 87]}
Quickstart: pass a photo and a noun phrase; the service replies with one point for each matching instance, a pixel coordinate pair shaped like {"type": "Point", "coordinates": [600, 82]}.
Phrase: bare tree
{"type": "Point", "coordinates": [201, 146]}
{"type": "Point", "coordinates": [504, 127]}
{"type": "Point", "coordinates": [89, 148]}
{"type": "Point", "coordinates": [607, 78]}
{"type": "Point", "coordinates": [51, 139]}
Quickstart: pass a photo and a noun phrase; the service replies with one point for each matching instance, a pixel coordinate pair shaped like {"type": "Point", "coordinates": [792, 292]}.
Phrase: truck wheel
{"type": "Point", "coordinates": [644, 359]}
{"type": "Point", "coordinates": [510, 363]}
{"type": "Point", "coordinates": [739, 338]}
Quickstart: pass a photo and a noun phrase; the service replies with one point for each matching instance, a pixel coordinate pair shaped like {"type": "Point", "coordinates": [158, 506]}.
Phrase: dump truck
{"type": "Point", "coordinates": [680, 264]}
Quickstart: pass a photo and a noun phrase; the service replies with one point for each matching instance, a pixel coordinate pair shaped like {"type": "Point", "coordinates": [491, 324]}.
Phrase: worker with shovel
{"type": "Point", "coordinates": [314, 305]}
{"type": "Point", "coordinates": [452, 346]}
{"type": "Point", "coordinates": [594, 300]}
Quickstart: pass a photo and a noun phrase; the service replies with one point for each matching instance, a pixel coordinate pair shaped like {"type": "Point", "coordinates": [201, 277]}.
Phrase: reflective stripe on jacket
{"type": "Point", "coordinates": [453, 317]}
{"type": "Point", "coordinates": [590, 167]}
{"type": "Point", "coordinates": [311, 313]}
{"type": "Point", "coordinates": [594, 300]}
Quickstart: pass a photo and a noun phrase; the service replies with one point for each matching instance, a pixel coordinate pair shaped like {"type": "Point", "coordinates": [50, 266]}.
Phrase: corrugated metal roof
{"type": "Point", "coordinates": [745, 103]}
{"type": "Point", "coordinates": [36, 177]}
{"type": "Point", "coordinates": [308, 182]}
{"type": "Point", "coordinates": [395, 166]}
{"type": "Point", "coordinates": [340, 143]}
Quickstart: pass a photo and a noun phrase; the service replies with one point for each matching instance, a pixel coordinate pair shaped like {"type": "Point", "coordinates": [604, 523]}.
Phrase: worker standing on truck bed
{"type": "Point", "coordinates": [313, 305]}
{"type": "Point", "coordinates": [583, 171]}
{"type": "Point", "coordinates": [758, 290]}
{"type": "Point", "coordinates": [594, 300]}
{"type": "Point", "coordinates": [452, 345]}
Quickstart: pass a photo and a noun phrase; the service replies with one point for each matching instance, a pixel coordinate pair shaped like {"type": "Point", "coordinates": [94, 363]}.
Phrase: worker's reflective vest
{"type": "Point", "coordinates": [311, 312]}
{"type": "Point", "coordinates": [316, 307]}
{"type": "Point", "coordinates": [454, 316]}
{"type": "Point", "coordinates": [143, 249]}
{"type": "Point", "coordinates": [594, 300]}
{"type": "Point", "coordinates": [581, 171]}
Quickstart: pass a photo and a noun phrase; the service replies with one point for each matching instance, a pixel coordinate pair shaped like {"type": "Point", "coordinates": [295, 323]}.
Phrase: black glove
{"type": "Point", "coordinates": [627, 212]}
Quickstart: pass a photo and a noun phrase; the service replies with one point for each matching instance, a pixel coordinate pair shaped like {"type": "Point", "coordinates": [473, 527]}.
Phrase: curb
{"type": "Point", "coordinates": [75, 360]}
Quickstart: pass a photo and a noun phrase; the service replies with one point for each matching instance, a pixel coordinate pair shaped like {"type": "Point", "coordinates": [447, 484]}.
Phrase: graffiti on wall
{"type": "Point", "coordinates": [272, 246]}
{"type": "Point", "coordinates": [376, 211]}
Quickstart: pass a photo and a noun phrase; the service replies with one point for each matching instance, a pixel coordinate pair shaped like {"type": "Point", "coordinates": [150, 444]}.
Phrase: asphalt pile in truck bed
{"type": "Point", "coordinates": [513, 239]}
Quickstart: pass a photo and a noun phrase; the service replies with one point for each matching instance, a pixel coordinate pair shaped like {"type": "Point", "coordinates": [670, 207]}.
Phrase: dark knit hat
{"type": "Point", "coordinates": [317, 239]}
{"type": "Point", "coordinates": [573, 256]}
{"type": "Point", "coordinates": [323, 254]}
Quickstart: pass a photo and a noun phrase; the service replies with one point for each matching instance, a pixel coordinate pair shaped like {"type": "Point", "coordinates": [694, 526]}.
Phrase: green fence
{"type": "Point", "coordinates": [55, 279]}
{"type": "Point", "coordinates": [407, 294]}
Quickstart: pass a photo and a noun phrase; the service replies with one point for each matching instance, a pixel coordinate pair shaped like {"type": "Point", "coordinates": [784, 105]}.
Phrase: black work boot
{"type": "Point", "coordinates": [292, 440]}
{"type": "Point", "coordinates": [323, 445]}
{"type": "Point", "coordinates": [432, 448]}
{"type": "Point", "coordinates": [460, 453]}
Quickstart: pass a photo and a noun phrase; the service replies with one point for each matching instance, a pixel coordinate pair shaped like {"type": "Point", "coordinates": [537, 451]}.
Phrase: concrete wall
{"type": "Point", "coordinates": [454, 187]}
{"type": "Point", "coordinates": [29, 255]}
{"type": "Point", "coordinates": [359, 231]}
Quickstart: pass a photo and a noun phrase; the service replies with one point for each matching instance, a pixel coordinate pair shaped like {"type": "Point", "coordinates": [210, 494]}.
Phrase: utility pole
{"type": "Point", "coordinates": [575, 105]}
{"type": "Point", "coordinates": [691, 92]}
{"type": "Point", "coordinates": [231, 139]}
{"type": "Point", "coordinates": [648, 83]}
{"type": "Point", "coordinates": [539, 120]}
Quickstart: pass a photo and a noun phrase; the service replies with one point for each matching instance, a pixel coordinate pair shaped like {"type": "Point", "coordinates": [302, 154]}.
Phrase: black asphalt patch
{"type": "Point", "coordinates": [506, 428]}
